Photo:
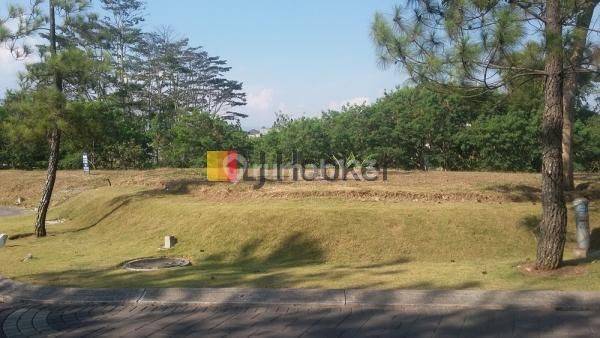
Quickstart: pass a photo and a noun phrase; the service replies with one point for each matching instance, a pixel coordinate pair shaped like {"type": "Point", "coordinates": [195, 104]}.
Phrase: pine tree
{"type": "Point", "coordinates": [122, 33]}
{"type": "Point", "coordinates": [577, 37]}
{"type": "Point", "coordinates": [48, 77]}
{"type": "Point", "coordinates": [470, 44]}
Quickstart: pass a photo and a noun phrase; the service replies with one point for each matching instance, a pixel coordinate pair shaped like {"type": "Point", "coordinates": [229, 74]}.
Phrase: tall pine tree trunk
{"type": "Point", "coordinates": [552, 235]}
{"type": "Point", "coordinates": [54, 141]}
{"type": "Point", "coordinates": [569, 93]}
{"type": "Point", "coordinates": [570, 88]}
{"type": "Point", "coordinates": [40, 222]}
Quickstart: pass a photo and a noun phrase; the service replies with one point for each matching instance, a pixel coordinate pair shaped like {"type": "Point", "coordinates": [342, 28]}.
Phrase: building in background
{"type": "Point", "coordinates": [254, 133]}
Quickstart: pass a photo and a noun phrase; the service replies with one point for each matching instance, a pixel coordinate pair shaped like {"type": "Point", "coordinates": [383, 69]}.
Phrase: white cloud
{"type": "Point", "coordinates": [261, 101]}
{"type": "Point", "coordinates": [337, 105]}
{"type": "Point", "coordinates": [261, 106]}
{"type": "Point", "coordinates": [9, 65]}
{"type": "Point", "coordinates": [9, 68]}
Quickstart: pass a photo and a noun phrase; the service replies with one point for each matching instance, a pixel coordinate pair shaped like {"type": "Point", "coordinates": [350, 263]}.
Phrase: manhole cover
{"type": "Point", "coordinates": [151, 264]}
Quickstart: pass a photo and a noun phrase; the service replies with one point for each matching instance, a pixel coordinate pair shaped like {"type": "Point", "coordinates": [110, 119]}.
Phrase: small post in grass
{"type": "Point", "coordinates": [86, 163]}
{"type": "Point", "coordinates": [582, 220]}
{"type": "Point", "coordinates": [170, 242]}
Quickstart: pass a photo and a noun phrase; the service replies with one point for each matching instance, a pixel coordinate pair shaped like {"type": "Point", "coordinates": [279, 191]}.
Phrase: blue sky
{"type": "Point", "coordinates": [300, 57]}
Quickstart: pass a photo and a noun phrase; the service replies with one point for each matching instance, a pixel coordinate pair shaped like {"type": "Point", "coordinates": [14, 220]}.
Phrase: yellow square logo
{"type": "Point", "coordinates": [221, 166]}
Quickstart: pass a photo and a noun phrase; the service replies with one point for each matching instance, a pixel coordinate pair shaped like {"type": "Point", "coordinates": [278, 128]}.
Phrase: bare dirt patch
{"type": "Point", "coordinates": [416, 186]}
{"type": "Point", "coordinates": [570, 269]}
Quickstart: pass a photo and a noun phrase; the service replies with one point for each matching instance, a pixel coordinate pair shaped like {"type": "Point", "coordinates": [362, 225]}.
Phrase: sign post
{"type": "Point", "coordinates": [86, 164]}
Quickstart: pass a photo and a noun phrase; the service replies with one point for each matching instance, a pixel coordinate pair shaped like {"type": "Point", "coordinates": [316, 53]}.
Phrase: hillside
{"type": "Point", "coordinates": [418, 230]}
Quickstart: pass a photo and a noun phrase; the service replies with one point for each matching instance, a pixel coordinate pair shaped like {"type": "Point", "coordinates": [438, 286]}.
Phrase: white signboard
{"type": "Point", "coordinates": [86, 164]}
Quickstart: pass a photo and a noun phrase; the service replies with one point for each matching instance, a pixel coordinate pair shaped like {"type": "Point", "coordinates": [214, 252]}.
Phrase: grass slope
{"type": "Point", "coordinates": [419, 230]}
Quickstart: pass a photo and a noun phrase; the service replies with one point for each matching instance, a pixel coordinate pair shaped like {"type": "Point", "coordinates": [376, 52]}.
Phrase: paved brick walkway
{"type": "Point", "coordinates": [30, 311]}
{"type": "Point", "coordinates": [30, 319]}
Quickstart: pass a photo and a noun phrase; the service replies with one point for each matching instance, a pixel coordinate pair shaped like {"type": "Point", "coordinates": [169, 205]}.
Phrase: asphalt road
{"type": "Point", "coordinates": [27, 320]}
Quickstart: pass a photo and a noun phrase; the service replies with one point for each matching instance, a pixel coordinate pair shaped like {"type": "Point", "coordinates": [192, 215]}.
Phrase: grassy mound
{"type": "Point", "coordinates": [290, 235]}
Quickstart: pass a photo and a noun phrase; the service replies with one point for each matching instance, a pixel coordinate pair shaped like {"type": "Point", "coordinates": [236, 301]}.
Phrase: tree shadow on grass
{"type": "Point", "coordinates": [295, 250]}
{"type": "Point", "coordinates": [589, 190]}
{"type": "Point", "coordinates": [595, 240]}
{"type": "Point", "coordinates": [181, 186]}
{"type": "Point", "coordinates": [113, 206]}
{"type": "Point", "coordinates": [530, 223]}
{"type": "Point", "coordinates": [589, 187]}
{"type": "Point", "coordinates": [173, 187]}
{"type": "Point", "coordinates": [518, 192]}
{"type": "Point", "coordinates": [297, 260]}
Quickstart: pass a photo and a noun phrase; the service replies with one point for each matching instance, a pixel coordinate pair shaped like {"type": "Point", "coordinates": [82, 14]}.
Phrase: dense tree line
{"type": "Point", "coordinates": [415, 128]}
{"type": "Point", "coordinates": [121, 94]}
{"type": "Point", "coordinates": [115, 141]}
{"type": "Point", "coordinates": [410, 128]}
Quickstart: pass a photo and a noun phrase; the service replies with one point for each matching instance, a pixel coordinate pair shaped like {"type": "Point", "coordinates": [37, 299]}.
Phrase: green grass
{"type": "Point", "coordinates": [266, 241]}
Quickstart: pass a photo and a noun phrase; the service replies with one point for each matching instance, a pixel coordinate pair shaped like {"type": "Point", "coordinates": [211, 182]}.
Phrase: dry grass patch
{"type": "Point", "coordinates": [288, 234]}
{"type": "Point", "coordinates": [434, 186]}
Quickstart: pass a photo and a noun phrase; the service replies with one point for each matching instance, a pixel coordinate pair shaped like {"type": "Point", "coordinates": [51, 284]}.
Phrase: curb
{"type": "Point", "coordinates": [11, 291]}
{"type": "Point", "coordinates": [216, 296]}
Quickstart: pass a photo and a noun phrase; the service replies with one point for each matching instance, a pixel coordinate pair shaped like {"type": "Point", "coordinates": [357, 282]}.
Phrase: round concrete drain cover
{"type": "Point", "coordinates": [152, 264]}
